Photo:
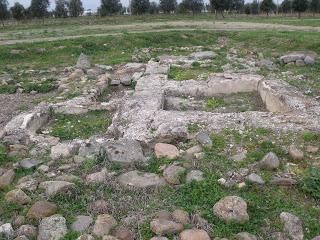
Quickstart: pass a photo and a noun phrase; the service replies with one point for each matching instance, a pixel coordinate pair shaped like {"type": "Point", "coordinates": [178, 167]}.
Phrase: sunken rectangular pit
{"type": "Point", "coordinates": [221, 103]}
{"type": "Point", "coordinates": [221, 93]}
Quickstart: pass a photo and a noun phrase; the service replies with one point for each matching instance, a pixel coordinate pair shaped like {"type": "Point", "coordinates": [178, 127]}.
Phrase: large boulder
{"type": "Point", "coordinates": [231, 209]}
{"type": "Point", "coordinates": [52, 228]}
{"type": "Point", "coordinates": [140, 179]}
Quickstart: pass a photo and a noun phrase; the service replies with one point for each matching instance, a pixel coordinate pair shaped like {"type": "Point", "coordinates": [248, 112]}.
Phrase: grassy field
{"type": "Point", "coordinates": [34, 29]}
{"type": "Point", "coordinates": [119, 49]}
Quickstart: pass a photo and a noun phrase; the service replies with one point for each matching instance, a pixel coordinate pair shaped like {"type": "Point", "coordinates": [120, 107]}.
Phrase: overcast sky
{"type": "Point", "coordinates": [88, 4]}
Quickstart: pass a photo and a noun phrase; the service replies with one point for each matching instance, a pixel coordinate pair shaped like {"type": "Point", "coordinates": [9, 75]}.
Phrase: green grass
{"type": "Point", "coordinates": [193, 128]}
{"type": "Point", "coordinates": [7, 89]}
{"type": "Point", "coordinates": [68, 127]}
{"type": "Point", "coordinates": [311, 184]}
{"type": "Point", "coordinates": [213, 103]}
{"type": "Point", "coordinates": [311, 137]}
{"type": "Point", "coordinates": [42, 87]}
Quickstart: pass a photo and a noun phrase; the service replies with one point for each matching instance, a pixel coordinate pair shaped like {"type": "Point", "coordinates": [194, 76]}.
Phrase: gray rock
{"type": "Point", "coordinates": [203, 55]}
{"type": "Point", "coordinates": [124, 151]}
{"type": "Point", "coordinates": [204, 139]}
{"type": "Point", "coordinates": [82, 223]}
{"type": "Point", "coordinates": [141, 180]}
{"type": "Point", "coordinates": [157, 68]}
{"type": "Point", "coordinates": [6, 178]}
{"type": "Point", "coordinates": [173, 174]}
{"type": "Point", "coordinates": [115, 82]}
{"type": "Point", "coordinates": [126, 80]}
{"type": "Point", "coordinates": [54, 187]}
{"type": "Point", "coordinates": [194, 175]}
{"type": "Point", "coordinates": [231, 209]}
{"type": "Point", "coordinates": [309, 60]}
{"type": "Point", "coordinates": [52, 228]}
{"type": "Point", "coordinates": [270, 161]}
{"type": "Point", "coordinates": [292, 57]}
{"type": "Point", "coordinates": [64, 150]}
{"type": "Point", "coordinates": [292, 225]}
{"type": "Point", "coordinates": [98, 177]}
{"type": "Point", "coordinates": [83, 62]}
{"type": "Point", "coordinates": [29, 163]}
{"type": "Point", "coordinates": [7, 230]}
{"type": "Point", "coordinates": [295, 153]}
{"type": "Point", "coordinates": [255, 178]}
{"type": "Point", "coordinates": [283, 181]}
{"type": "Point", "coordinates": [27, 230]}
{"type": "Point", "coordinates": [268, 64]}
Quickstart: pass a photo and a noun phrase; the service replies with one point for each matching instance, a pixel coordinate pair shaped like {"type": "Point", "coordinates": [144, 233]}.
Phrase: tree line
{"type": "Point", "coordinates": [74, 8]}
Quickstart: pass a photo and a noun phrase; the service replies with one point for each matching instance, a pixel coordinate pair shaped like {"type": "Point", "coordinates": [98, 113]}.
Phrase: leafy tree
{"type": "Point", "coordinates": [236, 5]}
{"type": "Point", "coordinates": [220, 5]}
{"type": "Point", "coordinates": [139, 7]}
{"type": "Point", "coordinates": [315, 6]}
{"type": "Point", "coordinates": [154, 8]}
{"type": "Point", "coordinates": [168, 6]}
{"type": "Point", "coordinates": [4, 12]}
{"type": "Point", "coordinates": [195, 6]}
{"type": "Point", "coordinates": [18, 11]}
{"type": "Point", "coordinates": [61, 9]}
{"type": "Point", "coordinates": [286, 6]}
{"type": "Point", "coordinates": [75, 8]}
{"type": "Point", "coordinates": [255, 7]}
{"type": "Point", "coordinates": [300, 6]}
{"type": "Point", "coordinates": [109, 7]}
{"type": "Point", "coordinates": [39, 8]}
{"type": "Point", "coordinates": [267, 6]}
{"type": "Point", "coordinates": [247, 8]}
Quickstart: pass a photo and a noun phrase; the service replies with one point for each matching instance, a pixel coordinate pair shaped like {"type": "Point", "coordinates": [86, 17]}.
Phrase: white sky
{"type": "Point", "coordinates": [88, 4]}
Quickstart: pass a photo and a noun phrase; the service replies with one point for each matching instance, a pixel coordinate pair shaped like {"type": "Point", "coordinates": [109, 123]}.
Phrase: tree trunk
{"type": "Point", "coordinates": [2, 22]}
{"type": "Point", "coordinates": [299, 15]}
